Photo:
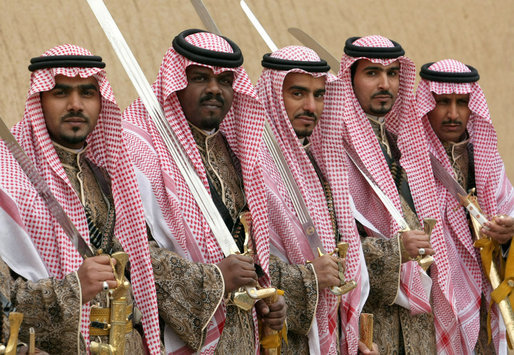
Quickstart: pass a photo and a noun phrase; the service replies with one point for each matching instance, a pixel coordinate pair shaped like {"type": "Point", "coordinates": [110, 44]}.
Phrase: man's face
{"type": "Point", "coordinates": [450, 116]}
{"type": "Point", "coordinates": [71, 109]}
{"type": "Point", "coordinates": [207, 97]}
{"type": "Point", "coordinates": [376, 86]}
{"type": "Point", "coordinates": [303, 99]}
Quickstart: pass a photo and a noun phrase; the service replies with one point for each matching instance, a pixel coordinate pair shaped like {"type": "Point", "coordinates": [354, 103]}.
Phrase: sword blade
{"type": "Point", "coordinates": [145, 92]}
{"type": "Point", "coordinates": [456, 189]}
{"type": "Point", "coordinates": [44, 191]}
{"type": "Point", "coordinates": [388, 204]}
{"type": "Point", "coordinates": [207, 20]}
{"type": "Point", "coordinates": [445, 178]}
{"type": "Point", "coordinates": [281, 164]}
{"type": "Point", "coordinates": [293, 190]}
{"type": "Point", "coordinates": [310, 42]}
{"type": "Point", "coordinates": [255, 22]}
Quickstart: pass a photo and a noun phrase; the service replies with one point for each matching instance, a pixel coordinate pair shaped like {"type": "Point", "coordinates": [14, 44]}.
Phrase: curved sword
{"type": "Point", "coordinates": [181, 158]}
{"type": "Point", "coordinates": [310, 42]}
{"type": "Point", "coordinates": [44, 191]}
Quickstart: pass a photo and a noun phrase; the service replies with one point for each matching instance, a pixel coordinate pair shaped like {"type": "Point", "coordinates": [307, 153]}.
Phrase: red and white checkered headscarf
{"type": "Point", "coordinates": [190, 234]}
{"type": "Point", "coordinates": [287, 235]}
{"type": "Point", "coordinates": [462, 279]}
{"type": "Point", "coordinates": [357, 135]}
{"type": "Point", "coordinates": [106, 149]}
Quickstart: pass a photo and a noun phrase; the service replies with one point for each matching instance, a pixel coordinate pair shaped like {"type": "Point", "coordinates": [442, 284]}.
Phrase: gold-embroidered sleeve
{"type": "Point", "coordinates": [300, 293]}
{"type": "Point", "coordinates": [52, 307]}
{"type": "Point", "coordinates": [383, 261]}
{"type": "Point", "coordinates": [188, 293]}
{"type": "Point", "coordinates": [5, 290]}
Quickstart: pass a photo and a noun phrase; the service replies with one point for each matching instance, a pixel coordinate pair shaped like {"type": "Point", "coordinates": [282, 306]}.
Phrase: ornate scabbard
{"type": "Point", "coordinates": [489, 265]}
{"type": "Point", "coordinates": [118, 312]}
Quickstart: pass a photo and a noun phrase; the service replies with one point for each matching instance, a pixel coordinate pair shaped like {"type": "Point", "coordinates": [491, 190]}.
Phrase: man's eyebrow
{"type": "Point", "coordinates": [381, 68]}
{"type": "Point", "coordinates": [82, 87]}
{"type": "Point", "coordinates": [88, 87]}
{"type": "Point", "coordinates": [297, 87]}
{"type": "Point", "coordinates": [374, 67]}
{"type": "Point", "coordinates": [197, 72]}
{"type": "Point", "coordinates": [225, 74]}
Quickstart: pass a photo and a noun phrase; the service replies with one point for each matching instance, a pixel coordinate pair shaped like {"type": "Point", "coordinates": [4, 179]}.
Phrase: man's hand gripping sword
{"type": "Point", "coordinates": [246, 298]}
{"type": "Point", "coordinates": [117, 324]}
{"type": "Point", "coordinates": [346, 286]}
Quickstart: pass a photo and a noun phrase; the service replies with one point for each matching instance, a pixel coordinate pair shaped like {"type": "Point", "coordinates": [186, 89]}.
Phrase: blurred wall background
{"type": "Point", "coordinates": [476, 32]}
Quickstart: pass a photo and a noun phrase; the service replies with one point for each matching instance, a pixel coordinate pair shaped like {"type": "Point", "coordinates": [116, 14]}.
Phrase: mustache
{"type": "Point", "coordinates": [452, 122]}
{"type": "Point", "coordinates": [307, 114]}
{"type": "Point", "coordinates": [74, 114]}
{"type": "Point", "coordinates": [382, 93]}
{"type": "Point", "coordinates": [208, 97]}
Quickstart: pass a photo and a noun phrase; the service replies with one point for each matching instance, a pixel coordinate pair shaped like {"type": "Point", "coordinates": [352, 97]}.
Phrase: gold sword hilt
{"type": "Point", "coordinates": [266, 331]}
{"type": "Point", "coordinates": [122, 260]}
{"type": "Point", "coordinates": [118, 314]}
{"type": "Point", "coordinates": [427, 260]}
{"type": "Point", "coordinates": [246, 297]}
{"type": "Point", "coordinates": [346, 286]}
{"type": "Point", "coordinates": [366, 329]}
{"type": "Point", "coordinates": [15, 319]}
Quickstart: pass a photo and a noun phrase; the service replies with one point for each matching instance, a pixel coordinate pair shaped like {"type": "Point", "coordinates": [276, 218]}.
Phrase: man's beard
{"type": "Point", "coordinates": [213, 121]}
{"type": "Point", "coordinates": [382, 110]}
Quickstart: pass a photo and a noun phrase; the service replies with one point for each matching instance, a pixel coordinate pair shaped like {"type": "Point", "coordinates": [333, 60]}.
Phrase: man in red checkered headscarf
{"type": "Point", "coordinates": [72, 132]}
{"type": "Point", "coordinates": [461, 136]}
{"type": "Point", "coordinates": [378, 129]}
{"type": "Point", "coordinates": [213, 109]}
{"type": "Point", "coordinates": [296, 91]}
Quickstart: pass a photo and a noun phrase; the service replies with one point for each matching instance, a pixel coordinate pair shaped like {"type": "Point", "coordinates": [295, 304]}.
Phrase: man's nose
{"type": "Point", "coordinates": [75, 102]}
{"type": "Point", "coordinates": [384, 83]}
{"type": "Point", "coordinates": [213, 87]}
{"type": "Point", "coordinates": [309, 104]}
{"type": "Point", "coordinates": [453, 113]}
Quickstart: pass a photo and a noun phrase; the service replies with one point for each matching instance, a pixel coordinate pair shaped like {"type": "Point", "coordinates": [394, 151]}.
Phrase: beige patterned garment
{"type": "Point", "coordinates": [301, 294]}
{"type": "Point", "coordinates": [394, 330]}
{"type": "Point", "coordinates": [189, 293]}
{"type": "Point", "coordinates": [5, 290]}
{"type": "Point", "coordinates": [56, 320]}
{"type": "Point", "coordinates": [220, 167]}
{"type": "Point", "coordinates": [458, 155]}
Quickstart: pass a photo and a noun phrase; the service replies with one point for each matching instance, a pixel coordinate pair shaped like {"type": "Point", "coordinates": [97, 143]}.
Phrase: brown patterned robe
{"type": "Point", "coordinates": [5, 290]}
{"type": "Point", "coordinates": [189, 293]}
{"type": "Point", "coordinates": [188, 307]}
{"type": "Point", "coordinates": [395, 331]}
{"type": "Point", "coordinates": [52, 307]}
{"type": "Point", "coordinates": [301, 295]}
{"type": "Point", "coordinates": [47, 305]}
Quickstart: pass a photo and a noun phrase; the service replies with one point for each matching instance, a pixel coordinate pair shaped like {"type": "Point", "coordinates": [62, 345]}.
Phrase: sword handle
{"type": "Point", "coordinates": [346, 286]}
{"type": "Point", "coordinates": [15, 319]}
{"type": "Point", "coordinates": [32, 341]}
{"type": "Point", "coordinates": [428, 226]}
{"type": "Point", "coordinates": [266, 331]}
{"type": "Point", "coordinates": [366, 329]}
